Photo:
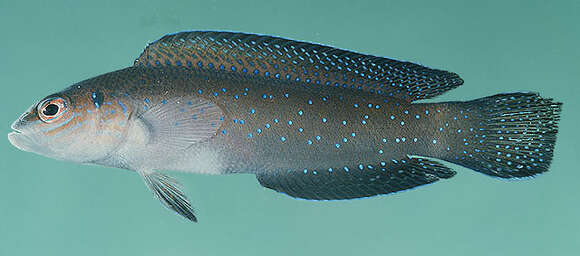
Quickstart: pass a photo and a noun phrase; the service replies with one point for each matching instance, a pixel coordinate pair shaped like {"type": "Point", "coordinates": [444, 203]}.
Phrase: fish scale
{"type": "Point", "coordinates": [310, 121]}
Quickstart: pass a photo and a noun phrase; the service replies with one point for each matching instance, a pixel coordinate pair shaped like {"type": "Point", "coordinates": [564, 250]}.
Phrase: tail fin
{"type": "Point", "coordinates": [514, 135]}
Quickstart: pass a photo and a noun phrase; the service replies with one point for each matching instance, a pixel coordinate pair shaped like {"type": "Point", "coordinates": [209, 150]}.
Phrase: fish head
{"type": "Point", "coordinates": [79, 124]}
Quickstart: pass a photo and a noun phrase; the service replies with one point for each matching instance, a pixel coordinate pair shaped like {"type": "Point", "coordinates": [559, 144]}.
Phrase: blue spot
{"type": "Point", "coordinates": [324, 120]}
{"type": "Point", "coordinates": [300, 112]}
{"type": "Point", "coordinates": [380, 151]}
{"type": "Point", "coordinates": [317, 137]}
{"type": "Point", "coordinates": [337, 145]}
{"type": "Point", "coordinates": [344, 140]}
{"type": "Point", "coordinates": [289, 122]}
{"type": "Point", "coordinates": [267, 125]}
{"type": "Point", "coordinates": [259, 130]}
{"type": "Point", "coordinates": [283, 139]}
{"type": "Point", "coordinates": [353, 134]}
{"type": "Point", "coordinates": [199, 91]}
{"type": "Point", "coordinates": [343, 122]}
{"type": "Point", "coordinates": [252, 111]}
{"type": "Point", "coordinates": [392, 117]}
{"type": "Point", "coordinates": [309, 102]}
{"type": "Point", "coordinates": [309, 142]}
{"type": "Point", "coordinates": [215, 94]}
{"type": "Point", "coordinates": [250, 135]}
{"type": "Point", "coordinates": [300, 129]}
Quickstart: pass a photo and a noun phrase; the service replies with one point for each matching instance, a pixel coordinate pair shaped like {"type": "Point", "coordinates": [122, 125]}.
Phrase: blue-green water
{"type": "Point", "coordinates": [58, 208]}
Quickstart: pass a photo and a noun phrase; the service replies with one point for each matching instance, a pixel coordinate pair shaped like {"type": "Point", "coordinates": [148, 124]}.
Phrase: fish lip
{"type": "Point", "coordinates": [15, 127]}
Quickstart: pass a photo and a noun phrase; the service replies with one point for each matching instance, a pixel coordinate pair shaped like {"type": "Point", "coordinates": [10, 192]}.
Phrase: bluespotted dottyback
{"type": "Point", "coordinates": [310, 121]}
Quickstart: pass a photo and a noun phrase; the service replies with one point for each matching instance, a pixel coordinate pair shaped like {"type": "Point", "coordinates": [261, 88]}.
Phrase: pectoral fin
{"type": "Point", "coordinates": [169, 192]}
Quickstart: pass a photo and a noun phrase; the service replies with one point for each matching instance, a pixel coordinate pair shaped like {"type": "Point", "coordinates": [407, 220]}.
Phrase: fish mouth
{"type": "Point", "coordinates": [19, 139]}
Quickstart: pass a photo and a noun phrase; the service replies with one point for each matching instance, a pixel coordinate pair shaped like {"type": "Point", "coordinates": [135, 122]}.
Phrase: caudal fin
{"type": "Point", "coordinates": [514, 135]}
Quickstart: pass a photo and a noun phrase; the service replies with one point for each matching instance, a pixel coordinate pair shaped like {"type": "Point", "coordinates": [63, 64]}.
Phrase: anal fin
{"type": "Point", "coordinates": [169, 192]}
{"type": "Point", "coordinates": [356, 181]}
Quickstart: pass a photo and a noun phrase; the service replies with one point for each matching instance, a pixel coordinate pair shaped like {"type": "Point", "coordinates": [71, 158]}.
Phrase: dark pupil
{"type": "Point", "coordinates": [50, 110]}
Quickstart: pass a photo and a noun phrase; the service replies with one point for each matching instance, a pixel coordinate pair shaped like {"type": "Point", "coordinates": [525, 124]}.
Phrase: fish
{"type": "Point", "coordinates": [310, 121]}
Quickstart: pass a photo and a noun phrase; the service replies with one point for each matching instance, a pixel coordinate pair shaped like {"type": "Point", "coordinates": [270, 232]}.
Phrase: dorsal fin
{"type": "Point", "coordinates": [279, 58]}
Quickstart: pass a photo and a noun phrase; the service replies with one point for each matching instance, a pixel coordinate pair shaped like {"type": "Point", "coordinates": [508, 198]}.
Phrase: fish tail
{"type": "Point", "coordinates": [507, 135]}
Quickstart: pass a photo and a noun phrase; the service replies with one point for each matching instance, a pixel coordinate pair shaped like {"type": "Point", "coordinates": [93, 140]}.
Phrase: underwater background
{"type": "Point", "coordinates": [49, 207]}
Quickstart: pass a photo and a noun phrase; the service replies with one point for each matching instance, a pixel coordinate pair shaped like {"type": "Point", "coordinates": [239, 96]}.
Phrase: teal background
{"type": "Point", "coordinates": [58, 208]}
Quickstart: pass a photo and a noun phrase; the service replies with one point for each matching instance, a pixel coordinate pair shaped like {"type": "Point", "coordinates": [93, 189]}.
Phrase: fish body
{"type": "Point", "coordinates": [310, 121]}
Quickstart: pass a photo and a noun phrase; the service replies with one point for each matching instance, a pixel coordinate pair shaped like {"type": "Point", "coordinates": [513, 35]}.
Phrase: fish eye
{"type": "Point", "coordinates": [51, 109]}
